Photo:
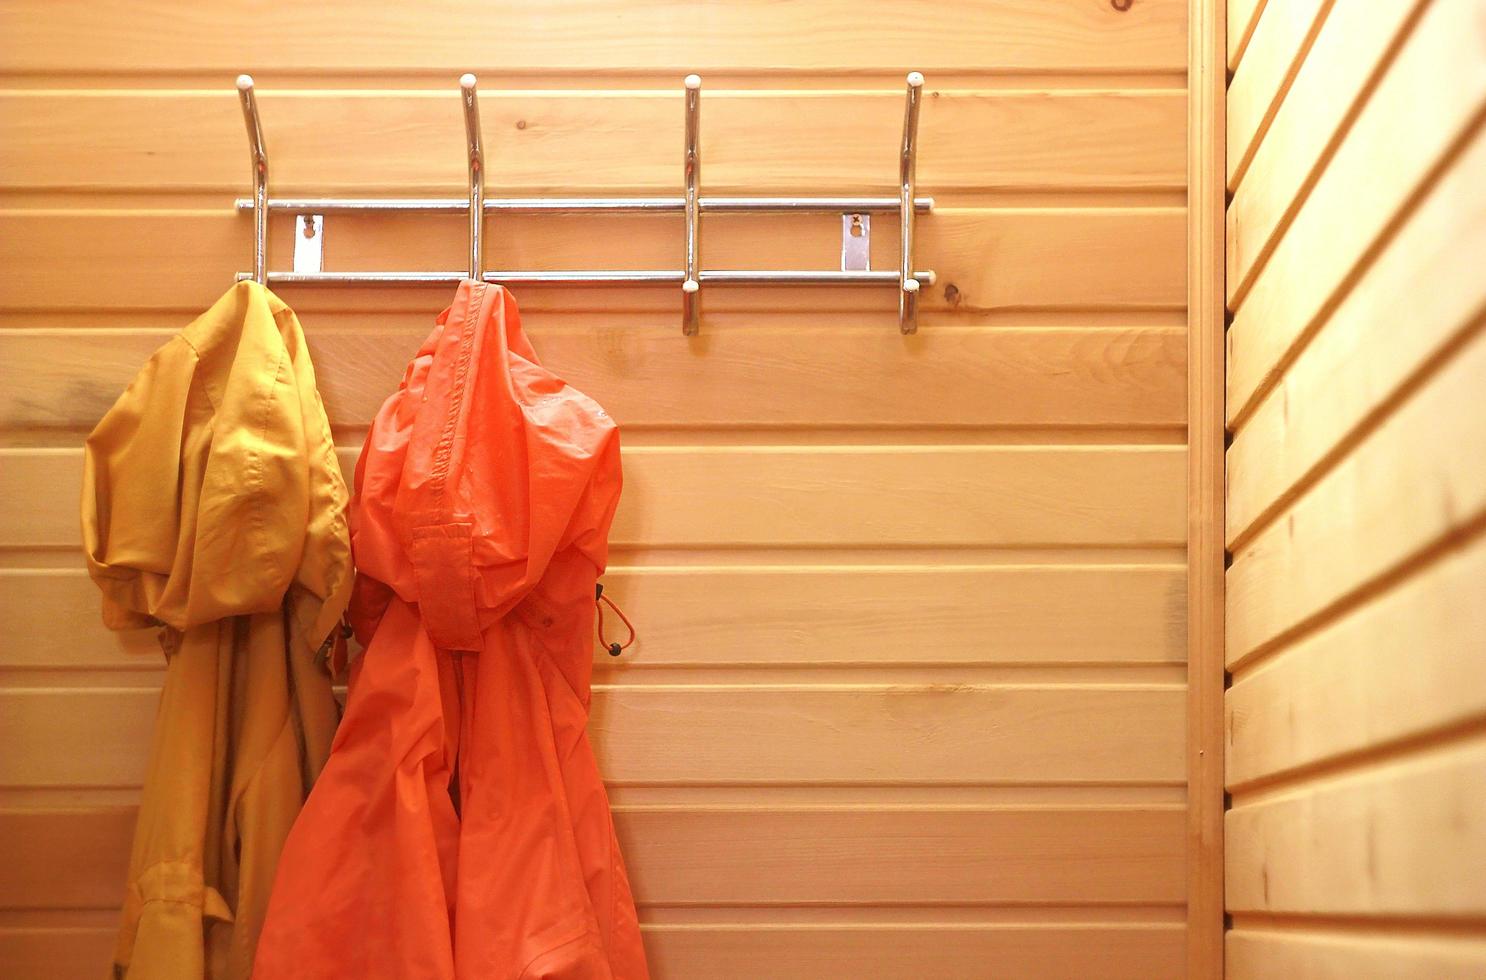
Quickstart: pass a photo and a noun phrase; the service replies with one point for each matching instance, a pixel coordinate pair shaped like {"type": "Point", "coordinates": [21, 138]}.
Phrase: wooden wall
{"type": "Point", "coordinates": [1356, 753]}
{"type": "Point", "coordinates": [910, 698]}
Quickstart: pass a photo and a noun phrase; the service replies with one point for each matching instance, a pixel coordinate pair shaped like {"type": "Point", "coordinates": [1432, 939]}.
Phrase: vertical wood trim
{"type": "Point", "coordinates": [1206, 170]}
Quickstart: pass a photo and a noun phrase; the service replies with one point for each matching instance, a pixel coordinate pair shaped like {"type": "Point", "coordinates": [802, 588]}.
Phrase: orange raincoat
{"type": "Point", "coordinates": [460, 828]}
{"type": "Point", "coordinates": [214, 508]}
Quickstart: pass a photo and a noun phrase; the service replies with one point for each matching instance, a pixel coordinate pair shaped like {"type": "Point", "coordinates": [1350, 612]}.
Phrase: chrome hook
{"type": "Point", "coordinates": [476, 153]}
{"type": "Point", "coordinates": [259, 154]}
{"type": "Point", "coordinates": [691, 301]}
{"type": "Point", "coordinates": [907, 173]}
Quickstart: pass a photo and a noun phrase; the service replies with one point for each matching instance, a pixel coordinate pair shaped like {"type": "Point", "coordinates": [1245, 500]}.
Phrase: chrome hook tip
{"type": "Point", "coordinates": [690, 286]}
{"type": "Point", "coordinates": [245, 83]}
{"type": "Point", "coordinates": [915, 79]}
{"type": "Point", "coordinates": [693, 82]}
{"type": "Point", "coordinates": [910, 286]}
{"type": "Point", "coordinates": [467, 81]}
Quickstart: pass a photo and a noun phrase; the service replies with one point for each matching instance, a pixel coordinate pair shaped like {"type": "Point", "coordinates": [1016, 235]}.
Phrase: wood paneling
{"type": "Point", "coordinates": [592, 36]}
{"type": "Point", "coordinates": [1407, 487]}
{"type": "Point", "coordinates": [908, 694]}
{"type": "Point", "coordinates": [1431, 98]}
{"type": "Point", "coordinates": [802, 615]}
{"type": "Point", "coordinates": [745, 856]}
{"type": "Point", "coordinates": [1243, 18]}
{"type": "Point", "coordinates": [786, 950]}
{"type": "Point", "coordinates": [1401, 839]}
{"type": "Point", "coordinates": [785, 734]}
{"type": "Point", "coordinates": [1205, 442]}
{"type": "Point", "coordinates": [1354, 955]}
{"type": "Point", "coordinates": [1357, 498]}
{"type": "Point", "coordinates": [764, 142]}
{"type": "Point", "coordinates": [1350, 55]}
{"type": "Point", "coordinates": [788, 376]}
{"type": "Point", "coordinates": [996, 259]}
{"type": "Point", "coordinates": [1383, 335]}
{"type": "Point", "coordinates": [1398, 668]}
{"type": "Point", "coordinates": [838, 496]}
{"type": "Point", "coordinates": [1019, 951]}
{"type": "Point", "coordinates": [1281, 39]}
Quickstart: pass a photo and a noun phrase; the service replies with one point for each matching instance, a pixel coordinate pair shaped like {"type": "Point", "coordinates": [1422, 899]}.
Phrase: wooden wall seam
{"type": "Point", "coordinates": [1206, 137]}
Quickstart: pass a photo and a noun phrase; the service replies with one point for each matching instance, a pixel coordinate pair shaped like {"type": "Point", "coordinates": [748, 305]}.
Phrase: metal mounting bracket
{"type": "Point", "coordinates": [309, 243]}
{"type": "Point", "coordinates": [856, 242]}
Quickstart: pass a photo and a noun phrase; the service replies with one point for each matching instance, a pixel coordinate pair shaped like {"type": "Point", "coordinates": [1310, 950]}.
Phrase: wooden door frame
{"type": "Point", "coordinates": [1207, 78]}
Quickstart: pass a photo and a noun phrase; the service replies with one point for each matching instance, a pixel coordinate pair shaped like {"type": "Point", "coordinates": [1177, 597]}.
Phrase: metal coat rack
{"type": "Point", "coordinates": [855, 214]}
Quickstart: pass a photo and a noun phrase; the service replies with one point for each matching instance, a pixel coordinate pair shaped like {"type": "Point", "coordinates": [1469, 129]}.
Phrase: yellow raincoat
{"type": "Point", "coordinates": [213, 507]}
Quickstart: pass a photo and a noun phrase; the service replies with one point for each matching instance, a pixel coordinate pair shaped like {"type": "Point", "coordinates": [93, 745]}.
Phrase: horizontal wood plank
{"type": "Point", "coordinates": [507, 38]}
{"type": "Point", "coordinates": [1243, 18]}
{"type": "Point", "coordinates": [875, 950]}
{"type": "Point", "coordinates": [1399, 839]}
{"type": "Point", "coordinates": [772, 615]}
{"type": "Point", "coordinates": [882, 951]}
{"type": "Point", "coordinates": [1276, 51]}
{"type": "Point", "coordinates": [56, 952]}
{"type": "Point", "coordinates": [797, 497]}
{"type": "Point", "coordinates": [789, 377]}
{"type": "Point", "coordinates": [994, 259]}
{"type": "Point", "coordinates": [1388, 330]}
{"type": "Point", "coordinates": [1254, 954]}
{"type": "Point", "coordinates": [733, 734]}
{"type": "Point", "coordinates": [1410, 484]}
{"type": "Point", "coordinates": [1269, 184]}
{"type": "Point", "coordinates": [361, 142]}
{"type": "Point", "coordinates": [1408, 663]}
{"type": "Point", "coordinates": [797, 794]}
{"type": "Point", "coordinates": [1430, 99]}
{"type": "Point", "coordinates": [753, 856]}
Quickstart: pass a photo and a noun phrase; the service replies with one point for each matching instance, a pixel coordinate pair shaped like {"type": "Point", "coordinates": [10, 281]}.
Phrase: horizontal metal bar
{"type": "Point", "coordinates": [722, 277]}
{"type": "Point", "coordinates": [589, 205]}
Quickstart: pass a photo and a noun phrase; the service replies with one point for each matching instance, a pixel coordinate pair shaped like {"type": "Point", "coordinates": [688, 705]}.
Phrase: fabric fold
{"type": "Point", "coordinates": [214, 509]}
{"type": "Point", "coordinates": [461, 827]}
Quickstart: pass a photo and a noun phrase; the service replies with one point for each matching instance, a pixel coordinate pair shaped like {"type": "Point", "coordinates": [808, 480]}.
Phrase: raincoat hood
{"type": "Point", "coordinates": [199, 508]}
{"type": "Point", "coordinates": [460, 829]}
{"type": "Point", "coordinates": [439, 518]}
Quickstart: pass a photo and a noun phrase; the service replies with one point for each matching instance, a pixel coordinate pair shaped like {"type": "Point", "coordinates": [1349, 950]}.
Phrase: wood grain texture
{"type": "Point", "coordinates": [783, 950]}
{"type": "Point", "coordinates": [1385, 336]}
{"type": "Point", "coordinates": [1333, 83]}
{"type": "Point", "coordinates": [1242, 18]}
{"type": "Point", "coordinates": [808, 496]}
{"type": "Point", "coordinates": [907, 699]}
{"type": "Point", "coordinates": [1136, 951]}
{"type": "Point", "coordinates": [1408, 664]}
{"type": "Point", "coordinates": [996, 259]}
{"type": "Point", "coordinates": [1205, 440]}
{"type": "Point", "coordinates": [747, 856]}
{"type": "Point", "coordinates": [1393, 840]}
{"type": "Point", "coordinates": [1260, 954]}
{"type": "Point", "coordinates": [358, 142]}
{"type": "Point", "coordinates": [594, 35]}
{"type": "Point", "coordinates": [1276, 51]}
{"type": "Point", "coordinates": [788, 376]}
{"type": "Point", "coordinates": [1429, 101]}
{"type": "Point", "coordinates": [1356, 730]}
{"type": "Point", "coordinates": [1405, 488]}
{"type": "Point", "coordinates": [754, 735]}
{"type": "Point", "coordinates": [773, 616]}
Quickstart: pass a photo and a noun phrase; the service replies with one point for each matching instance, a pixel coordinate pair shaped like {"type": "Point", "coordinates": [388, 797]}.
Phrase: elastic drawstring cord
{"type": "Point", "coordinates": [599, 601]}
